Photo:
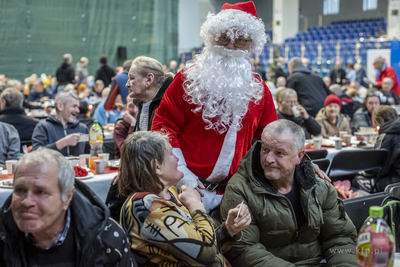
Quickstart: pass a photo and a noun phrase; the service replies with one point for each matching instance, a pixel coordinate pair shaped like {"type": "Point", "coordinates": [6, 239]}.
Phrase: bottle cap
{"type": "Point", "coordinates": [376, 211]}
{"type": "Point", "coordinates": [95, 121]}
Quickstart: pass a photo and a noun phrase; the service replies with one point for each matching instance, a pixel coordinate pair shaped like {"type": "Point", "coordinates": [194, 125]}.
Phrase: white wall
{"type": "Point", "coordinates": [192, 14]}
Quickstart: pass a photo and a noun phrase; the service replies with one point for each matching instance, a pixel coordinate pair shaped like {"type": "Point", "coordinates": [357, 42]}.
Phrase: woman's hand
{"type": "Point", "coordinates": [320, 173]}
{"type": "Point", "coordinates": [190, 197]}
{"type": "Point", "coordinates": [234, 223]}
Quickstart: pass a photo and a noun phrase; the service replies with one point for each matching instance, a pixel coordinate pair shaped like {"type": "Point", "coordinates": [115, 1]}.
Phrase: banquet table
{"type": "Point", "coordinates": [100, 184]}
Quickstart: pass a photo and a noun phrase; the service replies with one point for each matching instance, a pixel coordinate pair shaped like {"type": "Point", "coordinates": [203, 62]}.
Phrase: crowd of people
{"type": "Point", "coordinates": [213, 170]}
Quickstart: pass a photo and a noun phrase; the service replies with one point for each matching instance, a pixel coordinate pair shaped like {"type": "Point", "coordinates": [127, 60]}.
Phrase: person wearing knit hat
{"type": "Point", "coordinates": [216, 105]}
{"type": "Point", "coordinates": [330, 118]}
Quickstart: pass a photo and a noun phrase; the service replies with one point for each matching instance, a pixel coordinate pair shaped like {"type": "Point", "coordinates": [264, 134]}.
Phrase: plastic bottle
{"type": "Point", "coordinates": [96, 142]}
{"type": "Point", "coordinates": [375, 243]}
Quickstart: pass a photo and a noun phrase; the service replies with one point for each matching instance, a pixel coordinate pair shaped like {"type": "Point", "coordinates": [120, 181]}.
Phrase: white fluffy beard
{"type": "Point", "coordinates": [221, 84]}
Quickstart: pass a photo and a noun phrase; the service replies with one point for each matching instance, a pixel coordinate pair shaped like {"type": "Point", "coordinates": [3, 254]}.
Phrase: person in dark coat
{"type": "Point", "coordinates": [105, 72]}
{"type": "Point", "coordinates": [57, 220]}
{"type": "Point", "coordinates": [287, 100]}
{"type": "Point", "coordinates": [279, 69]}
{"type": "Point", "coordinates": [82, 117]}
{"type": "Point", "coordinates": [11, 112]}
{"type": "Point", "coordinates": [62, 132]}
{"type": "Point", "coordinates": [389, 138]}
{"type": "Point", "coordinates": [360, 75]}
{"type": "Point", "coordinates": [39, 93]}
{"type": "Point", "coordinates": [363, 116]}
{"type": "Point", "coordinates": [338, 74]}
{"type": "Point", "coordinates": [310, 88]}
{"type": "Point", "coordinates": [391, 98]}
{"type": "Point", "coordinates": [147, 100]}
{"type": "Point", "coordinates": [65, 73]}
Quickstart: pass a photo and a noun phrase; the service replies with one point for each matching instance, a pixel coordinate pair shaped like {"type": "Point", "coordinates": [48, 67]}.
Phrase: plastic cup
{"type": "Point", "coordinates": [347, 139]}
{"type": "Point", "coordinates": [338, 143]}
{"type": "Point", "coordinates": [105, 157]}
{"type": "Point", "coordinates": [10, 164]}
{"type": "Point", "coordinates": [100, 164]}
{"type": "Point", "coordinates": [317, 143]}
{"type": "Point", "coordinates": [342, 133]}
{"type": "Point", "coordinates": [295, 111]}
{"type": "Point", "coordinates": [84, 158]}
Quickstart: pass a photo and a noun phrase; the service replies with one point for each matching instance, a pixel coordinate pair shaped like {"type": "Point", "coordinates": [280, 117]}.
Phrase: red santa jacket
{"type": "Point", "coordinates": [391, 73]}
{"type": "Point", "coordinates": [201, 147]}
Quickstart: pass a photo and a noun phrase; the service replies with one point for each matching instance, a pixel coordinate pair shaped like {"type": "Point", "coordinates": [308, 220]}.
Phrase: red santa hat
{"type": "Point", "coordinates": [235, 20]}
{"type": "Point", "coordinates": [248, 7]}
{"type": "Point", "coordinates": [332, 99]}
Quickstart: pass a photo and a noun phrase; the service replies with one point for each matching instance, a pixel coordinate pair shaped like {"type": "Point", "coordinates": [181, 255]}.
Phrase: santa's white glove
{"type": "Point", "coordinates": [189, 179]}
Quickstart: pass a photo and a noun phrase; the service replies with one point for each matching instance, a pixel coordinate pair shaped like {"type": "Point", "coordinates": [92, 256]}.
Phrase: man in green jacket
{"type": "Point", "coordinates": [297, 218]}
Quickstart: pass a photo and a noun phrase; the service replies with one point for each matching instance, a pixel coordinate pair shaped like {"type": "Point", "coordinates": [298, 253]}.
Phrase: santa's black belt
{"type": "Point", "coordinates": [211, 186]}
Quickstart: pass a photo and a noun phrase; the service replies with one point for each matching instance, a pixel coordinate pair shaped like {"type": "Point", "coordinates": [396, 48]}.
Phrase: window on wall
{"type": "Point", "coordinates": [370, 5]}
{"type": "Point", "coordinates": [331, 7]}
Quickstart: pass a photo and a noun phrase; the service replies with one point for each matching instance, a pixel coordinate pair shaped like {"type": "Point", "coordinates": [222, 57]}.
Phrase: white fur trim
{"type": "Point", "coordinates": [211, 200]}
{"type": "Point", "coordinates": [224, 162]}
{"type": "Point", "coordinates": [189, 179]}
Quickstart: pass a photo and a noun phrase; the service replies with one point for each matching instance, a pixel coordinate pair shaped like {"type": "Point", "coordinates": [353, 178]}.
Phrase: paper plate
{"type": "Point", "coordinates": [8, 183]}
{"type": "Point", "coordinates": [90, 175]}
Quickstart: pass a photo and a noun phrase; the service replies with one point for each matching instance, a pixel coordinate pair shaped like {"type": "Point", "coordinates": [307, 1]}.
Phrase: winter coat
{"type": "Point", "coordinates": [16, 117]}
{"type": "Point", "coordinates": [389, 138]}
{"type": "Point", "coordinates": [337, 76]}
{"type": "Point", "coordinates": [99, 240]}
{"type": "Point", "coordinates": [273, 238]}
{"type": "Point", "coordinates": [9, 143]}
{"type": "Point", "coordinates": [105, 73]}
{"type": "Point", "coordinates": [65, 74]}
{"type": "Point", "coordinates": [309, 126]}
{"type": "Point", "coordinates": [328, 129]}
{"type": "Point", "coordinates": [48, 132]}
{"type": "Point", "coordinates": [361, 118]}
{"type": "Point", "coordinates": [311, 89]}
{"type": "Point", "coordinates": [35, 97]}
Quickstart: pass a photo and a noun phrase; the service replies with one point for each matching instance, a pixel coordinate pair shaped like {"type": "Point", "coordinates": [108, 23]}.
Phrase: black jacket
{"type": "Point", "coordinates": [279, 72]}
{"type": "Point", "coordinates": [155, 103]}
{"type": "Point", "coordinates": [99, 240]}
{"type": "Point", "coordinates": [105, 73]}
{"type": "Point", "coordinates": [337, 76]}
{"type": "Point", "coordinates": [311, 90]}
{"type": "Point", "coordinates": [389, 138]}
{"type": "Point", "coordinates": [48, 132]}
{"type": "Point", "coordinates": [65, 74]}
{"type": "Point", "coordinates": [35, 97]}
{"type": "Point", "coordinates": [309, 126]}
{"type": "Point", "coordinates": [361, 118]}
{"type": "Point", "coordinates": [114, 201]}
{"type": "Point", "coordinates": [16, 117]}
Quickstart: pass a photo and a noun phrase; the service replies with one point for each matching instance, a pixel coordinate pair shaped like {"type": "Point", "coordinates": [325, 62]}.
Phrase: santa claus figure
{"type": "Point", "coordinates": [216, 105]}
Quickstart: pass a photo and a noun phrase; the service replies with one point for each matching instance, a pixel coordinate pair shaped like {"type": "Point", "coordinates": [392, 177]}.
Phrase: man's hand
{"type": "Point", "coordinates": [302, 111]}
{"type": "Point", "coordinates": [235, 224]}
{"type": "Point", "coordinates": [320, 173]}
{"type": "Point", "coordinates": [69, 140]}
{"type": "Point", "coordinates": [43, 99]}
{"type": "Point", "coordinates": [190, 197]}
{"type": "Point", "coordinates": [128, 118]}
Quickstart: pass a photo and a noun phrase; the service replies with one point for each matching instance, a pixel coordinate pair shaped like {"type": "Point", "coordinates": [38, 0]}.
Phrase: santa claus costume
{"type": "Point", "coordinates": [216, 105]}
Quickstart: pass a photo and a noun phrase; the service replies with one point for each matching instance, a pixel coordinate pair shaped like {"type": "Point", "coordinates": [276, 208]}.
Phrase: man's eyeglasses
{"type": "Point", "coordinates": [291, 103]}
{"type": "Point", "coordinates": [239, 42]}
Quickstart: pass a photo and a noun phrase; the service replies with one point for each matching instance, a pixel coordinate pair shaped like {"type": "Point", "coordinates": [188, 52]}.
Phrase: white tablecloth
{"type": "Point", "coordinates": [99, 184]}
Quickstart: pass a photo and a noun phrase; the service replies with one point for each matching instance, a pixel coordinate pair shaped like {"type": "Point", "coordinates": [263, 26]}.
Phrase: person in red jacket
{"type": "Point", "coordinates": [383, 70]}
{"type": "Point", "coordinates": [216, 105]}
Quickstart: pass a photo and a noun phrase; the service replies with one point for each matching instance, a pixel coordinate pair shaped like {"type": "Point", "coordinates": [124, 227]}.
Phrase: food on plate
{"type": "Point", "coordinates": [80, 172]}
{"type": "Point", "coordinates": [8, 183]}
{"type": "Point", "coordinates": [362, 143]}
{"type": "Point", "coordinates": [343, 189]}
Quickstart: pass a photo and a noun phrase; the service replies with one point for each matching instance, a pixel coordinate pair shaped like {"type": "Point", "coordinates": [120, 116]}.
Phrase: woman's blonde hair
{"type": "Point", "coordinates": [145, 65]}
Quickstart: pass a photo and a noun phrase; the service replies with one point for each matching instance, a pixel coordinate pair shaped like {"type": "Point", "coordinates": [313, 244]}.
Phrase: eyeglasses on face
{"type": "Point", "coordinates": [239, 42]}
{"type": "Point", "coordinates": [290, 103]}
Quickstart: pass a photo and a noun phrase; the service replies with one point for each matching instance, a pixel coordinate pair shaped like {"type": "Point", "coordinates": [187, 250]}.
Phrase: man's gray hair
{"type": "Point", "coordinates": [336, 89]}
{"type": "Point", "coordinates": [295, 61]}
{"type": "Point", "coordinates": [63, 97]}
{"type": "Point", "coordinates": [66, 174]}
{"type": "Point", "coordinates": [13, 97]}
{"type": "Point", "coordinates": [280, 126]}
{"type": "Point", "coordinates": [67, 58]}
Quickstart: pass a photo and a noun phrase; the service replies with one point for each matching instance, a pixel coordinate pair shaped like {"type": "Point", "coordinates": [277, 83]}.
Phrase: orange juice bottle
{"type": "Point", "coordinates": [96, 143]}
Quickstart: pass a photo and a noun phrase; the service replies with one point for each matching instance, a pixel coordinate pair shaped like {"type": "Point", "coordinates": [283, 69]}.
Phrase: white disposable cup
{"type": "Point", "coordinates": [347, 139]}
{"type": "Point", "coordinates": [99, 164]}
{"type": "Point", "coordinates": [342, 133]}
{"type": "Point", "coordinates": [10, 164]}
{"type": "Point", "coordinates": [338, 143]}
{"type": "Point", "coordinates": [105, 157]}
{"type": "Point", "coordinates": [295, 111]}
{"type": "Point", "coordinates": [317, 143]}
{"type": "Point", "coordinates": [84, 158]}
